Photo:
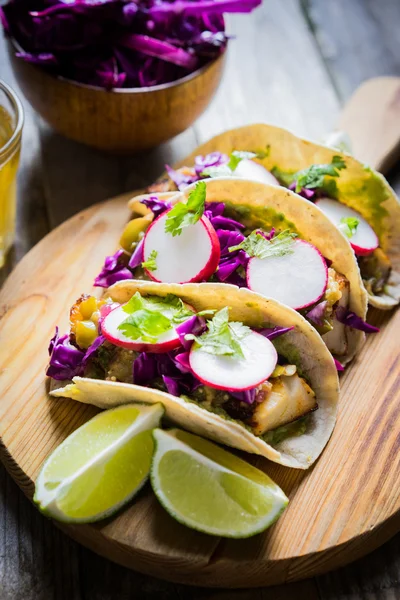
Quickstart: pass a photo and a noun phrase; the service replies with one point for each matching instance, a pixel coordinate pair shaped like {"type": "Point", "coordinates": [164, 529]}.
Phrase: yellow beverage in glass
{"type": "Point", "coordinates": [11, 121]}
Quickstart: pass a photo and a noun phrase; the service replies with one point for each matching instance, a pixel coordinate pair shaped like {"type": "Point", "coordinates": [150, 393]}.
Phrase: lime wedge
{"type": "Point", "coordinates": [211, 490]}
{"type": "Point", "coordinates": [100, 466]}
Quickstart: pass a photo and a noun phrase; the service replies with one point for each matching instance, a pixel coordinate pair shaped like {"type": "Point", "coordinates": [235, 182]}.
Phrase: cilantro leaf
{"type": "Point", "coordinates": [146, 325]}
{"type": "Point", "coordinates": [222, 337]}
{"type": "Point", "coordinates": [349, 226]}
{"type": "Point", "coordinates": [151, 316]}
{"type": "Point", "coordinates": [183, 215]}
{"type": "Point", "coordinates": [313, 177]}
{"type": "Point", "coordinates": [150, 264]}
{"type": "Point", "coordinates": [234, 159]}
{"type": "Point", "coordinates": [257, 245]}
{"type": "Point", "coordinates": [237, 156]}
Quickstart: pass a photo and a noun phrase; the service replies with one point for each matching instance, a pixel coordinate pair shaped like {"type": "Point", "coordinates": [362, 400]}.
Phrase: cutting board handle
{"type": "Point", "coordinates": [371, 118]}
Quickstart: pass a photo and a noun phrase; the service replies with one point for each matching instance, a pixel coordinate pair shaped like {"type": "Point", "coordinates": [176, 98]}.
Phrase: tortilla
{"type": "Point", "coordinates": [301, 346]}
{"type": "Point", "coordinates": [263, 205]}
{"type": "Point", "coordinates": [358, 186]}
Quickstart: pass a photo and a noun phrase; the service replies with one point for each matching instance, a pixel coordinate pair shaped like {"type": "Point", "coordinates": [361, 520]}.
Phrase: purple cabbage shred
{"type": "Point", "coordinates": [248, 396]}
{"type": "Point", "coordinates": [181, 179]}
{"type": "Point", "coordinates": [214, 159]}
{"type": "Point", "coordinates": [273, 332]}
{"type": "Point", "coordinates": [147, 367]}
{"type": "Point", "coordinates": [137, 256]}
{"type": "Point", "coordinates": [316, 314]}
{"type": "Point", "coordinates": [119, 43]}
{"type": "Point", "coordinates": [114, 269]}
{"type": "Point", "coordinates": [156, 205]}
{"type": "Point", "coordinates": [345, 316]}
{"type": "Point", "coordinates": [338, 365]}
{"type": "Point", "coordinates": [66, 360]}
{"type": "Point", "coordinates": [304, 192]}
{"type": "Point", "coordinates": [195, 325]}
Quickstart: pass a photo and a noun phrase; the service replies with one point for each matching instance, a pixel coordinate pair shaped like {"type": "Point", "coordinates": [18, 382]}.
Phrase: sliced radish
{"type": "Point", "coordinates": [191, 256]}
{"type": "Point", "coordinates": [297, 279]}
{"type": "Point", "coordinates": [248, 169]}
{"type": "Point", "coordinates": [364, 240]}
{"type": "Point", "coordinates": [235, 373]}
{"type": "Point", "coordinates": [165, 342]}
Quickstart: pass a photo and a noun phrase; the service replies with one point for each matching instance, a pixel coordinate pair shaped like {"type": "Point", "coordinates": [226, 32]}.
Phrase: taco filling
{"type": "Point", "coordinates": [202, 357]}
{"type": "Point", "coordinates": [316, 184]}
{"type": "Point", "coordinates": [222, 242]}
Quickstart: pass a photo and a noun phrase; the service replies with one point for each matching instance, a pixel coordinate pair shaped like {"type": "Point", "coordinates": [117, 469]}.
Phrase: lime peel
{"type": "Point", "coordinates": [70, 493]}
{"type": "Point", "coordinates": [211, 490]}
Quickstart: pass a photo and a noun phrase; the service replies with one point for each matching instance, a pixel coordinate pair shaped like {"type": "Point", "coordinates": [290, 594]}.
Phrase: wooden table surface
{"type": "Point", "coordinates": [293, 63]}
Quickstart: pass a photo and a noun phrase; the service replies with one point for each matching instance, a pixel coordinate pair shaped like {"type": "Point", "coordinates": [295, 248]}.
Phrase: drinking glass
{"type": "Point", "coordinates": [11, 123]}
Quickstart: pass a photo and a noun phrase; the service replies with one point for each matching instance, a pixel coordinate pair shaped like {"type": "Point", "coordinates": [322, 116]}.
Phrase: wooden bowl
{"type": "Point", "coordinates": [121, 121]}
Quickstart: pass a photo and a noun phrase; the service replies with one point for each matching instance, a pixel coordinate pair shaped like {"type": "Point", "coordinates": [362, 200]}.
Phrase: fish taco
{"type": "Point", "coordinates": [253, 235]}
{"type": "Point", "coordinates": [355, 197]}
{"type": "Point", "coordinates": [226, 363]}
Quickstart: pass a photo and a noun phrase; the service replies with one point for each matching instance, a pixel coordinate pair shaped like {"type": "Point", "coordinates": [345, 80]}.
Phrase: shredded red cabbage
{"type": "Point", "coordinates": [273, 332]}
{"type": "Point", "coordinates": [181, 180]}
{"type": "Point", "coordinates": [220, 222]}
{"type": "Point", "coordinates": [231, 261]}
{"type": "Point", "coordinates": [120, 43]}
{"type": "Point", "coordinates": [114, 269]}
{"type": "Point", "coordinates": [137, 256]}
{"type": "Point", "coordinates": [338, 365]}
{"type": "Point", "coordinates": [248, 396]}
{"type": "Point", "coordinates": [156, 205]}
{"type": "Point", "coordinates": [267, 236]}
{"type": "Point", "coordinates": [66, 360]}
{"type": "Point", "coordinates": [147, 367]}
{"type": "Point", "coordinates": [99, 341]}
{"type": "Point", "coordinates": [350, 319]}
{"type": "Point", "coordinates": [214, 209]}
{"type": "Point", "coordinates": [304, 192]}
{"type": "Point", "coordinates": [171, 384]}
{"type": "Point", "coordinates": [195, 325]}
{"type": "Point", "coordinates": [182, 362]}
{"type": "Point", "coordinates": [214, 159]}
{"type": "Point", "coordinates": [316, 314]}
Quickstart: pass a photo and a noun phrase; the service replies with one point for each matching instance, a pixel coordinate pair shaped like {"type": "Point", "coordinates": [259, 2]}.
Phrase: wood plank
{"type": "Point", "coordinates": [358, 39]}
{"type": "Point", "coordinates": [264, 80]}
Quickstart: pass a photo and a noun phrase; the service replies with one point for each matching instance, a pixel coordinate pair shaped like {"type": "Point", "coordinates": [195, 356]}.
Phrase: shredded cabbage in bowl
{"type": "Point", "coordinates": [119, 43]}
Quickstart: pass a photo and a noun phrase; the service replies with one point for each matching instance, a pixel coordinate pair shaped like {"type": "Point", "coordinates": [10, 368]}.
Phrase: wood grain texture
{"type": "Point", "coordinates": [333, 516]}
{"type": "Point", "coordinates": [358, 39]}
{"type": "Point", "coordinates": [372, 119]}
{"type": "Point", "coordinates": [120, 121]}
{"type": "Point", "coordinates": [37, 561]}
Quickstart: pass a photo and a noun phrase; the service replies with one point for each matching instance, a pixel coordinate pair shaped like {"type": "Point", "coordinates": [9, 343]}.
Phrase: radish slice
{"type": "Point", "coordinates": [165, 342]}
{"type": "Point", "coordinates": [298, 279]}
{"type": "Point", "coordinates": [248, 169]}
{"type": "Point", "coordinates": [235, 373]}
{"type": "Point", "coordinates": [191, 256]}
{"type": "Point", "coordinates": [364, 240]}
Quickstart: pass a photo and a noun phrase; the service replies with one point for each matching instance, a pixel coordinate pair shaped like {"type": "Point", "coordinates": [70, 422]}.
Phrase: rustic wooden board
{"type": "Point", "coordinates": [57, 178]}
{"type": "Point", "coordinates": [344, 507]}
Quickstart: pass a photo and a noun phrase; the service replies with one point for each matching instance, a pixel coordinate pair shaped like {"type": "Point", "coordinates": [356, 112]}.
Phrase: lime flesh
{"type": "Point", "coordinates": [100, 466]}
{"type": "Point", "coordinates": [211, 490]}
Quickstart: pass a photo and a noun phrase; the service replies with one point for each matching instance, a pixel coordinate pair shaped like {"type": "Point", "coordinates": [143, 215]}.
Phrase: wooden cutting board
{"type": "Point", "coordinates": [342, 508]}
